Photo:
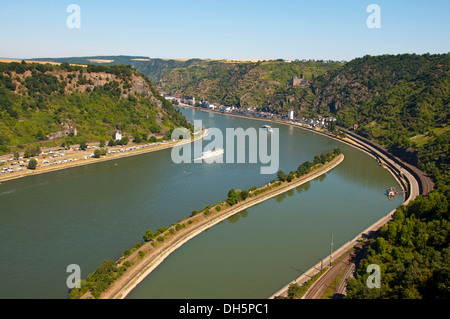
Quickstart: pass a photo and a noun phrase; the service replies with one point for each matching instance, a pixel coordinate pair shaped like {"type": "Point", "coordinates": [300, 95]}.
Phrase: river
{"type": "Point", "coordinates": [87, 214]}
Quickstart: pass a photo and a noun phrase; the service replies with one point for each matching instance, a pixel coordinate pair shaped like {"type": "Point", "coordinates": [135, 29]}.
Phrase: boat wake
{"type": "Point", "coordinates": [211, 155]}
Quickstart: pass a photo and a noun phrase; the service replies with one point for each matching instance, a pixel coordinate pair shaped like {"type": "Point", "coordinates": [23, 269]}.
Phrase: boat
{"type": "Point", "coordinates": [267, 128]}
{"type": "Point", "coordinates": [391, 192]}
{"type": "Point", "coordinates": [216, 151]}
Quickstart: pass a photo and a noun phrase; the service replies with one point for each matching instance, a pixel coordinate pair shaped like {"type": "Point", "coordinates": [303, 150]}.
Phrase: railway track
{"type": "Point", "coordinates": [425, 183]}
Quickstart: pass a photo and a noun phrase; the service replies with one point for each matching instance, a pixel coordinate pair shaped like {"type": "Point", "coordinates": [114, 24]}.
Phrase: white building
{"type": "Point", "coordinates": [117, 135]}
{"type": "Point", "coordinates": [291, 115]}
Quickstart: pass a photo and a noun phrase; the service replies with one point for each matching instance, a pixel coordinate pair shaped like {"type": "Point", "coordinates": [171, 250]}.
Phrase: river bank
{"type": "Point", "coordinates": [153, 256]}
{"type": "Point", "coordinates": [409, 185]}
{"type": "Point", "coordinates": [81, 158]}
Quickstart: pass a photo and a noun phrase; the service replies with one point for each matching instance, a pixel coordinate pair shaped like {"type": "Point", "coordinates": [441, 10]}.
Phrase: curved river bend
{"type": "Point", "coordinates": [88, 214]}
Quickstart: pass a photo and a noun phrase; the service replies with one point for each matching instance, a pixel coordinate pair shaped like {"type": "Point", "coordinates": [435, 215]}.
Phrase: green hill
{"type": "Point", "coordinates": [391, 98]}
{"type": "Point", "coordinates": [47, 103]}
{"type": "Point", "coordinates": [244, 84]}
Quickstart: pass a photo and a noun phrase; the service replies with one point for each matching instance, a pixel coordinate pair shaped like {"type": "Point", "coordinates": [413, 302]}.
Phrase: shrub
{"type": "Point", "coordinates": [179, 227]}
{"type": "Point", "coordinates": [127, 252]}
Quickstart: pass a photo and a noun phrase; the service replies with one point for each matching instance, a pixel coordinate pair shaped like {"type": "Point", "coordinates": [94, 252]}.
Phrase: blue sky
{"type": "Point", "coordinates": [245, 29]}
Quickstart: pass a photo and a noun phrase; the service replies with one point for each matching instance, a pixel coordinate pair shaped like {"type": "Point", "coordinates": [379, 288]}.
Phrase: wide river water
{"type": "Point", "coordinates": [88, 214]}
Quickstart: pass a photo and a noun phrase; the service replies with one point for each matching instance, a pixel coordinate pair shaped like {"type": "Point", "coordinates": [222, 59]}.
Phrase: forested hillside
{"type": "Point", "coordinates": [265, 84]}
{"type": "Point", "coordinates": [412, 251]}
{"type": "Point", "coordinates": [42, 102]}
{"type": "Point", "coordinates": [391, 98]}
{"type": "Point", "coordinates": [402, 102]}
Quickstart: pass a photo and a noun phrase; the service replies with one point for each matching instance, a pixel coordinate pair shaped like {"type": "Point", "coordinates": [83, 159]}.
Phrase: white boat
{"type": "Point", "coordinates": [267, 128]}
{"type": "Point", "coordinates": [216, 151]}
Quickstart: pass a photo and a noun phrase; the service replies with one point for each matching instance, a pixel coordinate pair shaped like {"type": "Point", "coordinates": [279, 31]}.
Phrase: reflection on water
{"type": "Point", "coordinates": [280, 197]}
{"type": "Point", "coordinates": [320, 178]}
{"type": "Point", "coordinates": [303, 187]}
{"type": "Point", "coordinates": [235, 218]}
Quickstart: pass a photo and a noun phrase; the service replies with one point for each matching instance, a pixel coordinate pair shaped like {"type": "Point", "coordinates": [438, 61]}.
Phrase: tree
{"type": "Point", "coordinates": [317, 159]}
{"type": "Point", "coordinates": [380, 245]}
{"type": "Point", "coordinates": [294, 291]}
{"type": "Point", "coordinates": [233, 197]}
{"type": "Point", "coordinates": [123, 141]}
{"type": "Point", "coordinates": [281, 176]}
{"type": "Point", "coordinates": [137, 138]}
{"type": "Point", "coordinates": [102, 143]}
{"type": "Point", "coordinates": [148, 235]}
{"type": "Point", "coordinates": [106, 266]}
{"type": "Point", "coordinates": [40, 136]}
{"type": "Point", "coordinates": [332, 126]}
{"type": "Point", "coordinates": [97, 153]}
{"type": "Point", "coordinates": [244, 195]}
{"type": "Point", "coordinates": [27, 153]}
{"type": "Point", "coordinates": [291, 176]}
{"type": "Point", "coordinates": [83, 145]}
{"type": "Point", "coordinates": [32, 164]}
